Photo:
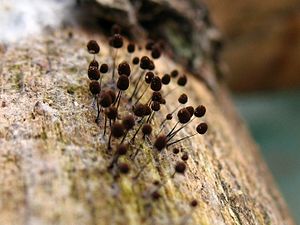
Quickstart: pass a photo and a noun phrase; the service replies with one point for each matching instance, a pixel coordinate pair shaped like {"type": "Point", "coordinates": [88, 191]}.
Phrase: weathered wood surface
{"type": "Point", "coordinates": [53, 163]}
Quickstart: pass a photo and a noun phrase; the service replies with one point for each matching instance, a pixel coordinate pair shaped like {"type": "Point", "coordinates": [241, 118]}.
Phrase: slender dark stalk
{"type": "Point", "coordinates": [173, 174]}
{"type": "Point", "coordinates": [119, 99]}
{"type": "Point", "coordinates": [148, 119]}
{"type": "Point", "coordinates": [161, 129]}
{"type": "Point", "coordinates": [151, 117]}
{"type": "Point", "coordinates": [98, 109]}
{"type": "Point", "coordinates": [105, 121]}
{"type": "Point", "coordinates": [125, 135]}
{"type": "Point", "coordinates": [137, 101]}
{"type": "Point", "coordinates": [174, 142]}
{"type": "Point", "coordinates": [136, 85]}
{"type": "Point", "coordinates": [136, 132]}
{"type": "Point", "coordinates": [172, 129]}
{"type": "Point", "coordinates": [180, 128]}
{"type": "Point", "coordinates": [109, 141]}
{"type": "Point", "coordinates": [174, 110]}
{"type": "Point", "coordinates": [114, 64]}
{"type": "Point", "coordinates": [138, 89]}
{"type": "Point", "coordinates": [149, 101]}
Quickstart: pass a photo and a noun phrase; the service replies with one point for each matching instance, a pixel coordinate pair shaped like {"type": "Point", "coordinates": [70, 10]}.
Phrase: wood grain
{"type": "Point", "coordinates": [53, 156]}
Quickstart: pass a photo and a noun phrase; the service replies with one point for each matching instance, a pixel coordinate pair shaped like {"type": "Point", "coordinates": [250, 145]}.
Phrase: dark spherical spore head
{"type": "Point", "coordinates": [183, 99]}
{"type": "Point", "coordinates": [200, 111]}
{"type": "Point", "coordinates": [95, 87]}
{"type": "Point", "coordinates": [104, 68]}
{"type": "Point", "coordinates": [105, 100]}
{"type": "Point", "coordinates": [156, 83]}
{"type": "Point", "coordinates": [93, 73]}
{"type": "Point", "coordinates": [156, 52]}
{"type": "Point", "coordinates": [175, 151]}
{"type": "Point", "coordinates": [93, 47]}
{"type": "Point", "coordinates": [117, 41]}
{"type": "Point", "coordinates": [182, 80]}
{"type": "Point", "coordinates": [139, 110]}
{"type": "Point", "coordinates": [121, 149]}
{"type": "Point", "coordinates": [124, 68]}
{"type": "Point", "coordinates": [202, 128]}
{"type": "Point", "coordinates": [174, 73]}
{"type": "Point", "coordinates": [155, 195]}
{"type": "Point", "coordinates": [194, 203]}
{"type": "Point", "coordinates": [147, 129]}
{"type": "Point", "coordinates": [128, 122]}
{"type": "Point", "coordinates": [123, 82]}
{"type": "Point", "coordinates": [117, 130]}
{"type": "Point", "coordinates": [124, 168]}
{"type": "Point", "coordinates": [145, 62]}
{"type": "Point", "coordinates": [151, 65]}
{"type": "Point", "coordinates": [156, 96]}
{"type": "Point", "coordinates": [112, 113]}
{"type": "Point", "coordinates": [112, 94]}
{"type": "Point", "coordinates": [156, 182]}
{"type": "Point", "coordinates": [183, 116]}
{"type": "Point", "coordinates": [149, 45]}
{"type": "Point", "coordinates": [115, 29]}
{"type": "Point", "coordinates": [166, 79]}
{"type": "Point", "coordinates": [191, 110]}
{"type": "Point", "coordinates": [70, 35]}
{"type": "Point", "coordinates": [148, 77]}
{"type": "Point", "coordinates": [131, 48]}
{"type": "Point", "coordinates": [136, 60]}
{"type": "Point", "coordinates": [155, 106]}
{"type": "Point", "coordinates": [169, 116]}
{"type": "Point", "coordinates": [160, 142]}
{"type": "Point", "coordinates": [185, 156]}
{"type": "Point", "coordinates": [163, 101]}
{"type": "Point", "coordinates": [180, 167]}
{"type": "Point", "coordinates": [147, 110]}
{"type": "Point", "coordinates": [94, 63]}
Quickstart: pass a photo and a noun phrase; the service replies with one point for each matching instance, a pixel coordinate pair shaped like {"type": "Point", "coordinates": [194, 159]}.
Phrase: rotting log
{"type": "Point", "coordinates": [53, 166]}
{"type": "Point", "coordinates": [53, 158]}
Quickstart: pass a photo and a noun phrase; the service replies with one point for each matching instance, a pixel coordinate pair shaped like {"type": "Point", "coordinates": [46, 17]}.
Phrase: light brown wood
{"type": "Point", "coordinates": [53, 159]}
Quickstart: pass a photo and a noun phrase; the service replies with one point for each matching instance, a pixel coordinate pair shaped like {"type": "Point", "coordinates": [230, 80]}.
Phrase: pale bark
{"type": "Point", "coordinates": [53, 160]}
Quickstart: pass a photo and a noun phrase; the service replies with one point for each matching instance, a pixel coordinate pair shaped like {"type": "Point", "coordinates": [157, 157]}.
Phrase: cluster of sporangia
{"type": "Point", "coordinates": [128, 114]}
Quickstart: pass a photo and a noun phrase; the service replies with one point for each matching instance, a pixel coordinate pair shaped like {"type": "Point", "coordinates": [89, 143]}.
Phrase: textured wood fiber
{"type": "Point", "coordinates": [53, 158]}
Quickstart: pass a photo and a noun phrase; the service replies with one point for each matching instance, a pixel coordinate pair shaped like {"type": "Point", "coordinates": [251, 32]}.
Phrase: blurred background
{"type": "Point", "coordinates": [261, 55]}
{"type": "Point", "coordinates": [262, 42]}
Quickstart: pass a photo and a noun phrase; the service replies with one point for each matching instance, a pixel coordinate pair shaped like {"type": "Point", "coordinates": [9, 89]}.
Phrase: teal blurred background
{"type": "Point", "coordinates": [274, 121]}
